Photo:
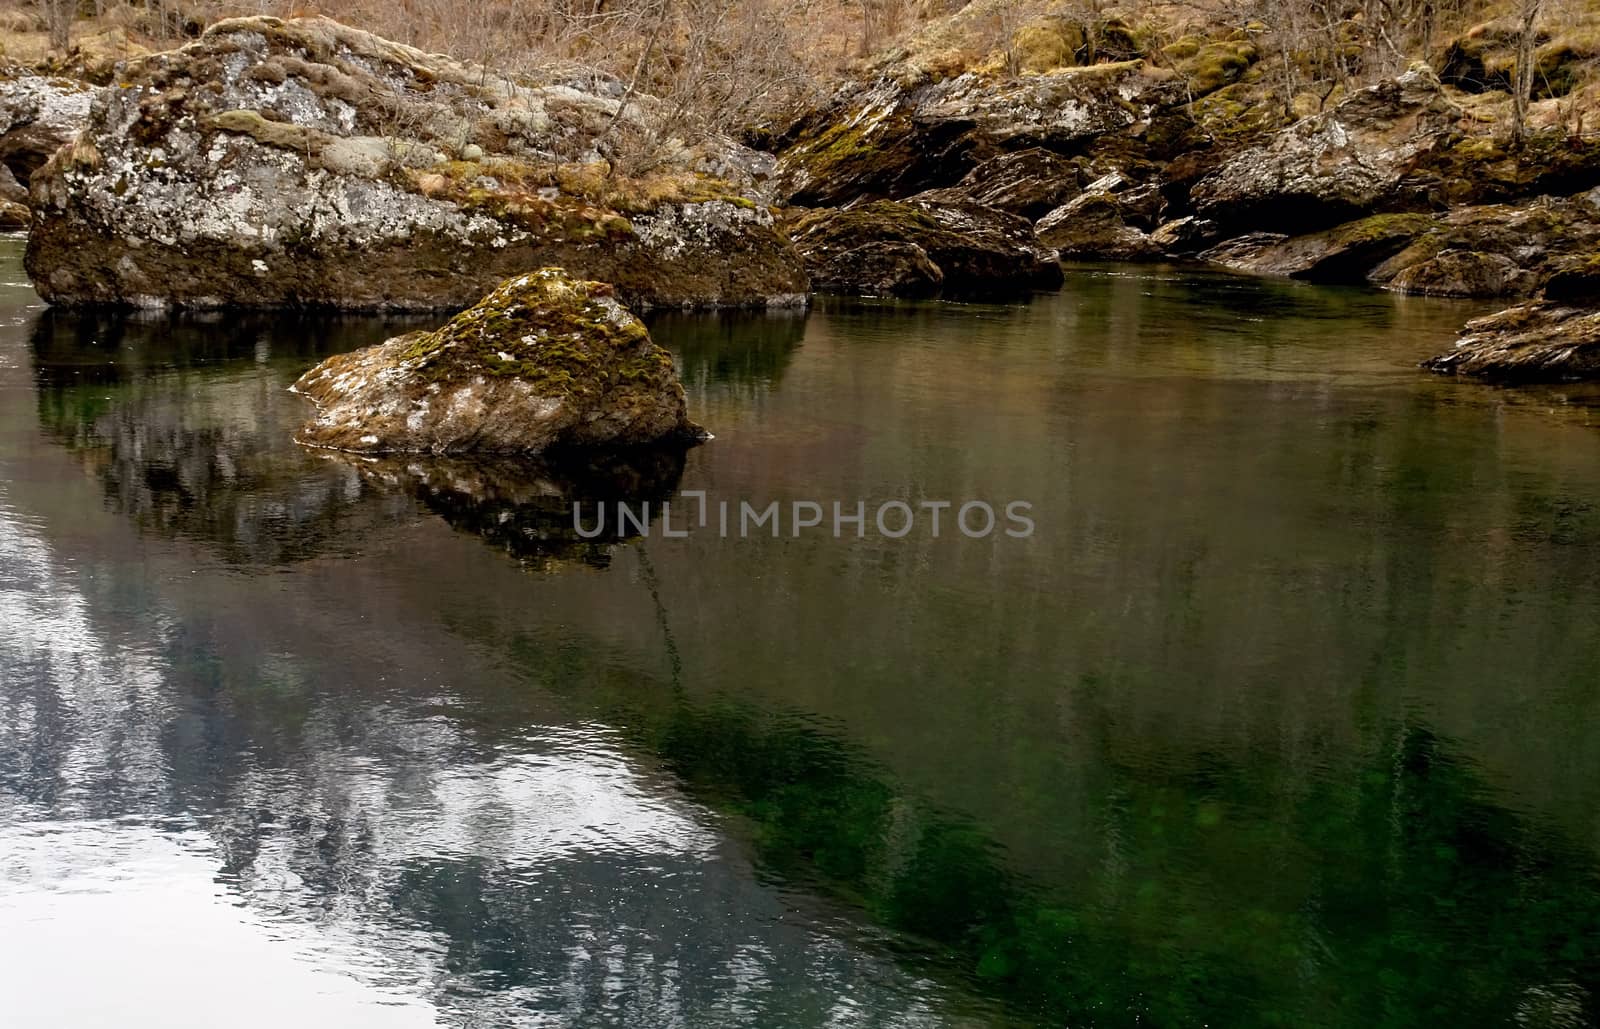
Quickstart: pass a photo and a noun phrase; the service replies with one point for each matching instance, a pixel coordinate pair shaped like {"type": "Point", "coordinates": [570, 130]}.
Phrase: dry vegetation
{"type": "Point", "coordinates": [732, 65]}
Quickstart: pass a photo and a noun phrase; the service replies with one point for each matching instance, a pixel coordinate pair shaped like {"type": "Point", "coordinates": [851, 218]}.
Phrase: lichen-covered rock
{"type": "Point", "coordinates": [304, 163]}
{"type": "Point", "coordinates": [38, 116]}
{"type": "Point", "coordinates": [896, 137]}
{"type": "Point", "coordinates": [1335, 166]}
{"type": "Point", "coordinates": [545, 361]}
{"type": "Point", "coordinates": [1541, 342]}
{"type": "Point", "coordinates": [921, 246]}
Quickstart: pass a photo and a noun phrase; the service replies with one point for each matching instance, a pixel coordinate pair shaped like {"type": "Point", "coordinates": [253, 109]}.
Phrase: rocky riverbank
{"type": "Point", "coordinates": [1183, 152]}
{"type": "Point", "coordinates": [304, 163]}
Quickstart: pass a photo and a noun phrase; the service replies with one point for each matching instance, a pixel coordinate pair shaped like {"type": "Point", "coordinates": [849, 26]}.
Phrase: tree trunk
{"type": "Point", "coordinates": [58, 13]}
{"type": "Point", "coordinates": [1522, 80]}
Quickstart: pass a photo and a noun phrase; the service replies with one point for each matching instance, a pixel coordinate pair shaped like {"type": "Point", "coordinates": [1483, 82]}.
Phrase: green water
{"type": "Point", "coordinates": [1283, 715]}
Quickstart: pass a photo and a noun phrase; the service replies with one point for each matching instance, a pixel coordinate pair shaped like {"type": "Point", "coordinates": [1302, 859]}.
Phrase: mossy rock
{"type": "Point", "coordinates": [544, 361]}
{"type": "Point", "coordinates": [1046, 44]}
{"type": "Point", "coordinates": [1217, 64]}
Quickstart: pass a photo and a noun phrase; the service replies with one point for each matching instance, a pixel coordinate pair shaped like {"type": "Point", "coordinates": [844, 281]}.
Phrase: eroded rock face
{"type": "Point", "coordinates": [1335, 166]}
{"type": "Point", "coordinates": [893, 139]}
{"type": "Point", "coordinates": [1540, 342]}
{"type": "Point", "coordinates": [304, 163]}
{"type": "Point", "coordinates": [1347, 253]}
{"type": "Point", "coordinates": [545, 361]}
{"type": "Point", "coordinates": [920, 247]}
{"type": "Point", "coordinates": [38, 116]}
{"type": "Point", "coordinates": [1108, 222]}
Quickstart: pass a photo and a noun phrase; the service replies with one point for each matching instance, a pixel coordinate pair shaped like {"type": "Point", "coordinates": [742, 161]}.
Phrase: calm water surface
{"type": "Point", "coordinates": [1285, 715]}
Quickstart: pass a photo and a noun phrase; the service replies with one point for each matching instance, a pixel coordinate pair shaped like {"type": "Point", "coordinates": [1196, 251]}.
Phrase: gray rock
{"type": "Point", "coordinates": [38, 116]}
{"type": "Point", "coordinates": [899, 135]}
{"type": "Point", "coordinates": [302, 163]}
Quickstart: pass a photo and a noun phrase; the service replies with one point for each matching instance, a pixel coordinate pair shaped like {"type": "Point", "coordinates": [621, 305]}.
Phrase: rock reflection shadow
{"type": "Point", "coordinates": [525, 507]}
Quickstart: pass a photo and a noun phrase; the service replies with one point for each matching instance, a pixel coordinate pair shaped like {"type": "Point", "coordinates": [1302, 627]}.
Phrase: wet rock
{"type": "Point", "coordinates": [1463, 273]}
{"type": "Point", "coordinates": [1332, 167]}
{"type": "Point", "coordinates": [1183, 237]}
{"type": "Point", "coordinates": [920, 247]}
{"type": "Point", "coordinates": [38, 116]}
{"type": "Point", "coordinates": [278, 163]}
{"type": "Point", "coordinates": [1541, 342]}
{"type": "Point", "coordinates": [545, 361]}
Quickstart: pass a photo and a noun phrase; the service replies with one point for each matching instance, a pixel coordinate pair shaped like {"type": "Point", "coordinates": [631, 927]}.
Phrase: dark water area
{"type": "Point", "coordinates": [1284, 714]}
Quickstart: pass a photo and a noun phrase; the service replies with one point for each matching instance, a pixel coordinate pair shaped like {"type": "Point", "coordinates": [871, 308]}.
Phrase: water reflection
{"type": "Point", "coordinates": [1284, 717]}
{"type": "Point", "coordinates": [530, 507]}
{"type": "Point", "coordinates": [738, 351]}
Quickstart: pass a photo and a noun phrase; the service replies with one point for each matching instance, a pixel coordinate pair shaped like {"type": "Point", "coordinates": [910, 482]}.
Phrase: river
{"type": "Point", "coordinates": [1283, 712]}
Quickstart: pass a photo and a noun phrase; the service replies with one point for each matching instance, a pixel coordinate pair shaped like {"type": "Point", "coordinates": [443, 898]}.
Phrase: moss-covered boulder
{"type": "Point", "coordinates": [545, 361]}
{"type": "Point", "coordinates": [1539, 342]}
{"type": "Point", "coordinates": [1494, 250]}
{"type": "Point", "coordinates": [301, 162]}
{"type": "Point", "coordinates": [922, 246]}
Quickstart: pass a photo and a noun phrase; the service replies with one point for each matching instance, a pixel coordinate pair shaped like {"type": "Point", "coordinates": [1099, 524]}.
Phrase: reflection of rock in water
{"type": "Point", "coordinates": [186, 424]}
{"type": "Point", "coordinates": [746, 351]}
{"type": "Point", "coordinates": [526, 506]}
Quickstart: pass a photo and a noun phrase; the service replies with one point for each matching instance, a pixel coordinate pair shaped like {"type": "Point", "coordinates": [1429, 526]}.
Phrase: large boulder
{"type": "Point", "coordinates": [38, 116]}
{"type": "Point", "coordinates": [1331, 167]}
{"type": "Point", "coordinates": [1539, 342]}
{"type": "Point", "coordinates": [922, 246]}
{"type": "Point", "coordinates": [305, 163]}
{"type": "Point", "coordinates": [545, 361]}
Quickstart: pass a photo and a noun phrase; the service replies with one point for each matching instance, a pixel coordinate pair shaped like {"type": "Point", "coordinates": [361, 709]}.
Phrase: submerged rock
{"type": "Point", "coordinates": [921, 247]}
{"type": "Point", "coordinates": [545, 361]}
{"type": "Point", "coordinates": [525, 507]}
{"type": "Point", "coordinates": [1539, 342]}
{"type": "Point", "coordinates": [305, 163]}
